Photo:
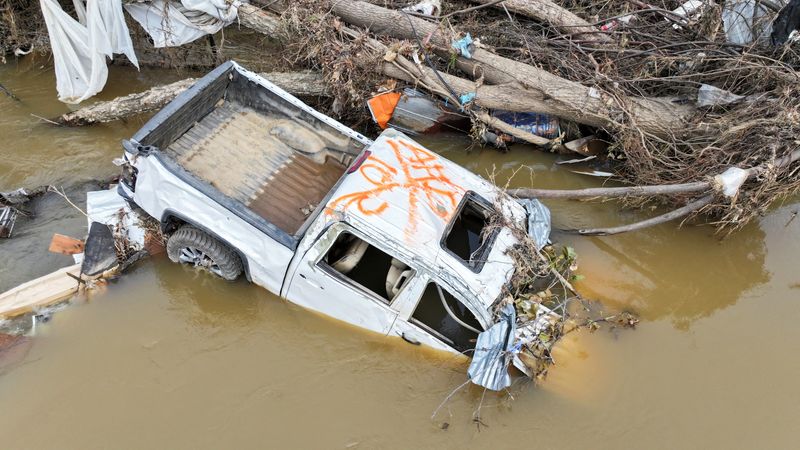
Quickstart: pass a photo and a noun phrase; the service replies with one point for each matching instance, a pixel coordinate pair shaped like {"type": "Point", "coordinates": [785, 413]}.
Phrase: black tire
{"type": "Point", "coordinates": [194, 247]}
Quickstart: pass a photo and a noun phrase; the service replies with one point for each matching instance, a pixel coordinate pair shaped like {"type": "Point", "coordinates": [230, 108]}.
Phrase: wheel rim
{"type": "Point", "coordinates": [198, 258]}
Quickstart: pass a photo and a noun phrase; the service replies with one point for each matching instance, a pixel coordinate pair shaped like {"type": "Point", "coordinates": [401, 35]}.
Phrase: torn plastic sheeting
{"type": "Point", "coordinates": [689, 9]}
{"type": "Point", "coordinates": [746, 21]}
{"type": "Point", "coordinates": [538, 221]}
{"type": "Point", "coordinates": [493, 352]}
{"type": "Point", "coordinates": [465, 46]}
{"type": "Point", "coordinates": [109, 208]}
{"type": "Point", "coordinates": [172, 23]}
{"type": "Point", "coordinates": [709, 95]}
{"type": "Point", "coordinates": [80, 47]}
{"type": "Point", "coordinates": [730, 181]}
{"type": "Point", "coordinates": [427, 7]}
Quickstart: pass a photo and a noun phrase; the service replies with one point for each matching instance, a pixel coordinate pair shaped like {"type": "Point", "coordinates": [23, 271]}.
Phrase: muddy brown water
{"type": "Point", "coordinates": [169, 358]}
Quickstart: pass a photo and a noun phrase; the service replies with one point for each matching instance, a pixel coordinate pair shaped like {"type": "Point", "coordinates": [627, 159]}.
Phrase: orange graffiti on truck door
{"type": "Point", "coordinates": [419, 173]}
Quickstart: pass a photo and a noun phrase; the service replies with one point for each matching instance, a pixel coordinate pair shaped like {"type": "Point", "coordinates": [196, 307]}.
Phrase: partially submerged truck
{"type": "Point", "coordinates": [247, 180]}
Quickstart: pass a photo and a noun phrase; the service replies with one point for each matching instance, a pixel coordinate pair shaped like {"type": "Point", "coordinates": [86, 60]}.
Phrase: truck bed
{"type": "Point", "coordinates": [238, 151]}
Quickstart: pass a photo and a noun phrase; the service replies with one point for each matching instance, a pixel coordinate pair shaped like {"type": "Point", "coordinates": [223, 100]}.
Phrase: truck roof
{"type": "Point", "coordinates": [409, 195]}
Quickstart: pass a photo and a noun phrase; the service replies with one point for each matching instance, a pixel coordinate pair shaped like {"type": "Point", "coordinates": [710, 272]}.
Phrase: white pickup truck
{"type": "Point", "coordinates": [386, 235]}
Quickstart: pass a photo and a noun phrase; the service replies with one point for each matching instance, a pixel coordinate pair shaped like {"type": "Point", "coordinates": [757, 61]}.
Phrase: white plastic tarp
{"type": "Point", "coordinates": [747, 21]}
{"type": "Point", "coordinates": [172, 23]}
{"type": "Point", "coordinates": [80, 47]}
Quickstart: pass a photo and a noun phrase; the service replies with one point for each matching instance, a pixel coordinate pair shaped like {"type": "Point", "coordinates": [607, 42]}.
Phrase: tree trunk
{"type": "Point", "coordinates": [549, 12]}
{"type": "Point", "coordinates": [538, 90]}
{"type": "Point", "coordinates": [255, 18]}
{"type": "Point", "coordinates": [296, 83]}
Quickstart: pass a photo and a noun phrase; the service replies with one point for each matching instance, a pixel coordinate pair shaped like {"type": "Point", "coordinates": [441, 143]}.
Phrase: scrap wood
{"type": "Point", "coordinates": [47, 290]}
{"type": "Point", "coordinates": [65, 245]}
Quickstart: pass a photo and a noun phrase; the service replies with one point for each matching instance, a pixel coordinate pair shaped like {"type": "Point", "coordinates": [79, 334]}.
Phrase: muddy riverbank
{"type": "Point", "coordinates": [170, 358]}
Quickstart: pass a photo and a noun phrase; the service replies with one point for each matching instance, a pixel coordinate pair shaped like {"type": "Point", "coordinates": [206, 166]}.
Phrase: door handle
{"type": "Point", "coordinates": [316, 285]}
{"type": "Point", "coordinates": [409, 339]}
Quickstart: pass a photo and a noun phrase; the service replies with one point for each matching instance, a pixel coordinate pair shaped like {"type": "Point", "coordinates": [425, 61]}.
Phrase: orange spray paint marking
{"type": "Point", "coordinates": [421, 175]}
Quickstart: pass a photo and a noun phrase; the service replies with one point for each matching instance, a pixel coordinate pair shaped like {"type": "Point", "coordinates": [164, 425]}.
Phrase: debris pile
{"type": "Point", "coordinates": [117, 238]}
{"type": "Point", "coordinates": [676, 93]}
{"type": "Point", "coordinates": [540, 293]}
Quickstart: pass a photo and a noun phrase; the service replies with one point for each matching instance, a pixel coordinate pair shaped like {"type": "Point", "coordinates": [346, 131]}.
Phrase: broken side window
{"type": "Point", "coordinates": [367, 267]}
{"type": "Point", "coordinates": [441, 314]}
{"type": "Point", "coordinates": [468, 236]}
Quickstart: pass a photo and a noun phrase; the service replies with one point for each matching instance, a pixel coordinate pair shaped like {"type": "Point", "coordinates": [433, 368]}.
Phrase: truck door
{"type": "Point", "coordinates": [436, 318]}
{"type": "Point", "coordinates": [347, 277]}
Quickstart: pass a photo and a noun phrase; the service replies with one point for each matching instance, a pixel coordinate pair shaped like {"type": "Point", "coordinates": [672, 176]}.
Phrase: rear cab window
{"type": "Point", "coordinates": [469, 236]}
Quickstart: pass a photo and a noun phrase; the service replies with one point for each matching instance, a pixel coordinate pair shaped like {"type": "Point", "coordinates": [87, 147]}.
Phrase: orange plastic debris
{"type": "Point", "coordinates": [382, 107]}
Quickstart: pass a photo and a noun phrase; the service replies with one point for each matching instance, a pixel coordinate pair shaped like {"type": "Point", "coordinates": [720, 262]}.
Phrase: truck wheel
{"type": "Point", "coordinates": [188, 245]}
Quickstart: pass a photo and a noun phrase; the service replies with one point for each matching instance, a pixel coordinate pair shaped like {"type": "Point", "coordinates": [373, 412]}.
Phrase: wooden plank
{"type": "Point", "coordinates": [65, 245]}
{"type": "Point", "coordinates": [47, 290]}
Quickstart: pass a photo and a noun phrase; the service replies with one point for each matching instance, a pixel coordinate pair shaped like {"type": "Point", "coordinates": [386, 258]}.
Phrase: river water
{"type": "Point", "coordinates": [169, 358]}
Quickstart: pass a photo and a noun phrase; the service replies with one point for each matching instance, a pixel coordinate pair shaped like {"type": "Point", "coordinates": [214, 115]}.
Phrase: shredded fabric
{"type": "Point", "coordinates": [80, 47]}
{"type": "Point", "coordinates": [172, 23]}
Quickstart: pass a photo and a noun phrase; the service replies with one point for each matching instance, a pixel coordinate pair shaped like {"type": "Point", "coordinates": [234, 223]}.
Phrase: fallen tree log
{"type": "Point", "coordinates": [296, 83]}
{"type": "Point", "coordinates": [549, 12]}
{"type": "Point", "coordinates": [497, 97]}
{"type": "Point", "coordinates": [542, 91]}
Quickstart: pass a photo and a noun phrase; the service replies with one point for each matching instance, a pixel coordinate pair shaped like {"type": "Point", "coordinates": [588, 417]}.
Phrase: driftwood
{"type": "Point", "coordinates": [534, 89]}
{"type": "Point", "coordinates": [297, 83]}
{"type": "Point", "coordinates": [639, 191]}
{"type": "Point", "coordinates": [555, 15]}
{"type": "Point", "coordinates": [646, 191]}
{"type": "Point", "coordinates": [672, 215]}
